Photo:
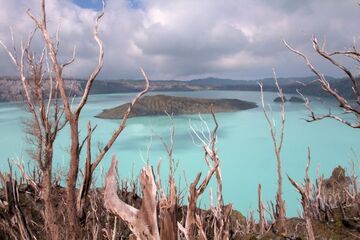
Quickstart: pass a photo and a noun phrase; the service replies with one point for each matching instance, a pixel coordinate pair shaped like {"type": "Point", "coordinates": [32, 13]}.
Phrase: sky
{"type": "Point", "coordinates": [187, 39]}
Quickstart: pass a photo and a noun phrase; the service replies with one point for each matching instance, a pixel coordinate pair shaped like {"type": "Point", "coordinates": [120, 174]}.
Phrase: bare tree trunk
{"type": "Point", "coordinates": [168, 214]}
{"type": "Point", "coordinates": [280, 216]}
{"type": "Point", "coordinates": [82, 199]}
{"type": "Point", "coordinates": [221, 213]}
{"type": "Point", "coordinates": [305, 199]}
{"type": "Point", "coordinates": [261, 212]}
{"type": "Point", "coordinates": [168, 223]}
{"type": "Point", "coordinates": [168, 203]}
{"type": "Point", "coordinates": [50, 214]}
{"type": "Point", "coordinates": [193, 226]}
{"type": "Point", "coordinates": [142, 222]}
{"type": "Point", "coordinates": [73, 220]}
{"type": "Point", "coordinates": [192, 218]}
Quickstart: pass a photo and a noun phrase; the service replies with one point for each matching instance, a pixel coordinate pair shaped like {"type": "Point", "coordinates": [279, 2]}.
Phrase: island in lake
{"type": "Point", "coordinates": [293, 99]}
{"type": "Point", "coordinates": [162, 104]}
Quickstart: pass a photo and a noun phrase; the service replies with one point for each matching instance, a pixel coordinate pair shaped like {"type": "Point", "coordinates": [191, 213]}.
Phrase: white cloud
{"type": "Point", "coordinates": [186, 38]}
{"type": "Point", "coordinates": [243, 60]}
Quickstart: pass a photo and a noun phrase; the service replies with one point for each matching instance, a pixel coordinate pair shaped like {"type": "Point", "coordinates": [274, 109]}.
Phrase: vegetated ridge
{"type": "Point", "coordinates": [162, 104]}
{"type": "Point", "coordinates": [11, 87]}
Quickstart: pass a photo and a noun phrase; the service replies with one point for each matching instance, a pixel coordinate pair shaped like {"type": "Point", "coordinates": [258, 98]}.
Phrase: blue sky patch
{"type": "Point", "coordinates": [97, 4]}
{"type": "Point", "coordinates": [92, 4]}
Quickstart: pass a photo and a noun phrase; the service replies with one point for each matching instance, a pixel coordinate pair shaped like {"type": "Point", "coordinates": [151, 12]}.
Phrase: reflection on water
{"type": "Point", "coordinates": [244, 144]}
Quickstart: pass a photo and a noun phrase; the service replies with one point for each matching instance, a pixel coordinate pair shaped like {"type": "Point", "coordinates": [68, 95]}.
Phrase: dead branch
{"type": "Point", "coordinates": [305, 198]}
{"type": "Point", "coordinates": [344, 103]}
{"type": "Point", "coordinates": [91, 166]}
{"type": "Point", "coordinates": [168, 203]}
{"type": "Point", "coordinates": [43, 128]}
{"type": "Point", "coordinates": [85, 186]}
{"type": "Point", "coordinates": [261, 212]}
{"type": "Point", "coordinates": [14, 208]}
{"type": "Point", "coordinates": [31, 181]}
{"type": "Point", "coordinates": [208, 141]}
{"type": "Point", "coordinates": [280, 217]}
{"type": "Point", "coordinates": [142, 222]}
{"type": "Point", "coordinates": [123, 122]}
{"type": "Point", "coordinates": [191, 222]}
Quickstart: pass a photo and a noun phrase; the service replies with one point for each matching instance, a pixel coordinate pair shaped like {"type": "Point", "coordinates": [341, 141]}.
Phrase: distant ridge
{"type": "Point", "coordinates": [266, 81]}
{"type": "Point", "coordinates": [11, 87]}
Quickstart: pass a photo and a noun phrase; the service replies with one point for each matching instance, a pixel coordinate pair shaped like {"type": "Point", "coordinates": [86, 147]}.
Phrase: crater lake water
{"type": "Point", "coordinates": [244, 145]}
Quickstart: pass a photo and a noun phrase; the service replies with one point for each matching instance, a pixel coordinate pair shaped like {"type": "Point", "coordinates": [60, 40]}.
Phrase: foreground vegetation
{"type": "Point", "coordinates": [333, 207]}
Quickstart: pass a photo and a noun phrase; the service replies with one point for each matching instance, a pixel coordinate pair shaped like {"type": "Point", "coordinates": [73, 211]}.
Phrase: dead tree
{"type": "Point", "coordinates": [261, 210]}
{"type": "Point", "coordinates": [47, 116]}
{"type": "Point", "coordinates": [168, 203]}
{"type": "Point", "coordinates": [318, 204]}
{"type": "Point", "coordinates": [74, 210]}
{"type": "Point", "coordinates": [168, 212]}
{"type": "Point", "coordinates": [305, 192]}
{"type": "Point", "coordinates": [280, 216]}
{"type": "Point", "coordinates": [42, 102]}
{"type": "Point", "coordinates": [208, 141]}
{"type": "Point", "coordinates": [193, 224]}
{"type": "Point", "coordinates": [71, 116]}
{"type": "Point", "coordinates": [348, 105]}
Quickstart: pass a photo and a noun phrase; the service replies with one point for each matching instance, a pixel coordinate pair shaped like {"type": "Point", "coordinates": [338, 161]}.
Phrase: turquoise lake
{"type": "Point", "coordinates": [244, 145]}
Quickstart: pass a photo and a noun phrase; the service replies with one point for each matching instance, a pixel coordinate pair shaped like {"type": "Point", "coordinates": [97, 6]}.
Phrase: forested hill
{"type": "Point", "coordinates": [11, 88]}
{"type": "Point", "coordinates": [162, 104]}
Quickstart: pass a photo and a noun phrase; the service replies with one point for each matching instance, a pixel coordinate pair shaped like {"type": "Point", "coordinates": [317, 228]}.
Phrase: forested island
{"type": "Point", "coordinates": [162, 104]}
